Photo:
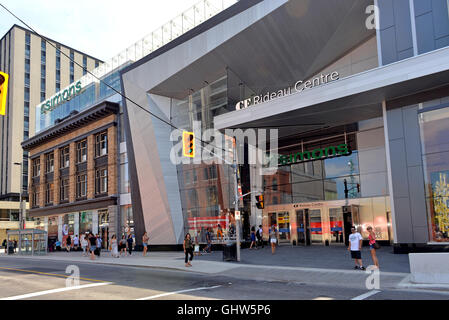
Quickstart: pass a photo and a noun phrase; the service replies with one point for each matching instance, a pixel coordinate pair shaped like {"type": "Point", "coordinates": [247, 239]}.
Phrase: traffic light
{"type": "Point", "coordinates": [188, 144]}
{"type": "Point", "coordinates": [259, 202]}
{"type": "Point", "coordinates": [3, 91]}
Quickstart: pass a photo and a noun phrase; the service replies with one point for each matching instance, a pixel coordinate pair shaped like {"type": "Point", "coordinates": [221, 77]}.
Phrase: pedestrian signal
{"type": "Point", "coordinates": [259, 202]}
{"type": "Point", "coordinates": [3, 91]}
{"type": "Point", "coordinates": [188, 144]}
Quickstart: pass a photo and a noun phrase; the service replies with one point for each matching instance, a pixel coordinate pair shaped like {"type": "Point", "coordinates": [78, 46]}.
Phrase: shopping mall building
{"type": "Point", "coordinates": [361, 115]}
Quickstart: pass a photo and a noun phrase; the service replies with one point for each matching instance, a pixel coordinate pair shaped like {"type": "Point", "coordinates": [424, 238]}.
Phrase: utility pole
{"type": "Point", "coordinates": [236, 204]}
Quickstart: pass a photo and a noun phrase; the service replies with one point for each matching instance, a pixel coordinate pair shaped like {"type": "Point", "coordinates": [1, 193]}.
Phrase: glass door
{"type": "Point", "coordinates": [300, 227]}
{"type": "Point", "coordinates": [336, 225]}
{"type": "Point", "coordinates": [316, 228]}
{"type": "Point", "coordinates": [283, 219]}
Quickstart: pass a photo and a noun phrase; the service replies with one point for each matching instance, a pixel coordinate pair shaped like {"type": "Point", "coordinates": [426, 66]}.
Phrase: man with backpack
{"type": "Point", "coordinates": [259, 236]}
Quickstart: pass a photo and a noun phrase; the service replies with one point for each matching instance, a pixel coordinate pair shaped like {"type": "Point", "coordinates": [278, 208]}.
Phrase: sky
{"type": "Point", "coordinates": [100, 28]}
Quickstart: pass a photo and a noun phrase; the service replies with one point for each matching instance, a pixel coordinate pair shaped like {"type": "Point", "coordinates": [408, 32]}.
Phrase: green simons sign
{"type": "Point", "coordinates": [317, 154]}
{"type": "Point", "coordinates": [61, 97]}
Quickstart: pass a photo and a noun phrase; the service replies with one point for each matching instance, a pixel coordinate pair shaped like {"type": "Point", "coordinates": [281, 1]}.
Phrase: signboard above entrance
{"type": "Point", "coordinates": [299, 86]}
{"type": "Point", "coordinates": [317, 154]}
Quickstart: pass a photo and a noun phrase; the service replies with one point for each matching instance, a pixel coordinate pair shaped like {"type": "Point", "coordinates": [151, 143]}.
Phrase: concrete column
{"type": "Point", "coordinates": [76, 227]}
{"type": "Point", "coordinates": [94, 221]}
{"type": "Point", "coordinates": [46, 224]}
{"type": "Point", "coordinates": [60, 228]}
{"type": "Point", "coordinates": [56, 179]}
{"type": "Point", "coordinates": [72, 173]}
{"type": "Point", "coordinates": [90, 167]}
{"type": "Point", "coordinates": [113, 221]}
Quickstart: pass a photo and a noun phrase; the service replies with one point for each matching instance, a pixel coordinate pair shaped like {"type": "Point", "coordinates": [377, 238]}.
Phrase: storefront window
{"type": "Point", "coordinates": [434, 127]}
{"type": "Point", "coordinates": [85, 223]}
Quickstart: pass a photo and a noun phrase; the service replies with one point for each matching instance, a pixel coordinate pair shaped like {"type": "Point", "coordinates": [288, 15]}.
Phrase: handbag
{"type": "Point", "coordinates": [376, 246]}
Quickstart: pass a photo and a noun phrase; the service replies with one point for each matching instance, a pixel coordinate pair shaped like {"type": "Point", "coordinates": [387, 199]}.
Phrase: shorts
{"type": "Point", "coordinates": [371, 246]}
{"type": "Point", "coordinates": [93, 248]}
{"type": "Point", "coordinates": [273, 240]}
{"type": "Point", "coordinates": [356, 255]}
{"type": "Point", "coordinates": [145, 245]}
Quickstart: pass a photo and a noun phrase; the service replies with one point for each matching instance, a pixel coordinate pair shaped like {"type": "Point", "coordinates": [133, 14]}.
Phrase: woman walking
{"type": "Point", "coordinates": [373, 245]}
{"type": "Point", "coordinates": [123, 245]}
{"type": "Point", "coordinates": [188, 249]}
{"type": "Point", "coordinates": [273, 238]}
{"type": "Point", "coordinates": [253, 238]}
{"type": "Point", "coordinates": [114, 247]}
{"type": "Point", "coordinates": [145, 239]}
{"type": "Point", "coordinates": [93, 245]}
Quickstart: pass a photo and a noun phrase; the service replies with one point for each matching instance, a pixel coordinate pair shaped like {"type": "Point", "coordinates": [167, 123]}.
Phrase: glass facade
{"type": "Point", "coordinates": [434, 126]}
{"type": "Point", "coordinates": [207, 190]}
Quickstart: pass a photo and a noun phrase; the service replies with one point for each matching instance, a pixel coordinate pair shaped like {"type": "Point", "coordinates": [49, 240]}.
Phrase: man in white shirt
{"type": "Point", "coordinates": [76, 242]}
{"type": "Point", "coordinates": [355, 246]}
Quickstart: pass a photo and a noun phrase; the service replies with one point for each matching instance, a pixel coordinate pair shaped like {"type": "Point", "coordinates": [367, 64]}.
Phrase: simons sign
{"type": "Point", "coordinates": [317, 154]}
{"type": "Point", "coordinates": [61, 97]}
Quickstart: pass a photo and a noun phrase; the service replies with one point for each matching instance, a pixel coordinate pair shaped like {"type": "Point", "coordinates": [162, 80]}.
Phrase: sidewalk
{"type": "Point", "coordinates": [312, 265]}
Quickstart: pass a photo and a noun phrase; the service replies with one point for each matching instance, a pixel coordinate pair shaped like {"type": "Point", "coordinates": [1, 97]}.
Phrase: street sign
{"type": "Point", "coordinates": [237, 215]}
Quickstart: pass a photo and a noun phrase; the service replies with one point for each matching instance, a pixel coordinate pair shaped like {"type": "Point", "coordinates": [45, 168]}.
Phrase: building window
{"type": "Point", "coordinates": [27, 38]}
{"type": "Point", "coordinates": [101, 144]}
{"type": "Point", "coordinates": [84, 65]}
{"type": "Point", "coordinates": [434, 127]}
{"type": "Point", "coordinates": [64, 189]}
{"type": "Point", "coordinates": [81, 151]}
{"type": "Point", "coordinates": [49, 193]}
{"type": "Point", "coordinates": [81, 185]}
{"type": "Point", "coordinates": [35, 197]}
{"type": "Point", "coordinates": [64, 157]}
{"type": "Point", "coordinates": [101, 181]}
{"type": "Point", "coordinates": [49, 162]}
{"type": "Point", "coordinates": [36, 167]}
{"type": "Point", "coordinates": [27, 79]}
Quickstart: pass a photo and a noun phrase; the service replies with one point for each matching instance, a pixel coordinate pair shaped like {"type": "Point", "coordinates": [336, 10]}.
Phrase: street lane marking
{"type": "Point", "coordinates": [366, 295]}
{"type": "Point", "coordinates": [41, 293]}
{"type": "Point", "coordinates": [324, 298]}
{"type": "Point", "coordinates": [176, 292]}
{"type": "Point", "coordinates": [48, 274]}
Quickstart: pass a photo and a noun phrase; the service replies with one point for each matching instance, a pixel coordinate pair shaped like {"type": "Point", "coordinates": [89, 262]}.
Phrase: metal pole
{"type": "Point", "coordinates": [237, 221]}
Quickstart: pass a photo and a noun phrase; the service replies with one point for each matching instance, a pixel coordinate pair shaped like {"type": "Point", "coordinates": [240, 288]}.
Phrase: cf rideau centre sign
{"type": "Point", "coordinates": [299, 86]}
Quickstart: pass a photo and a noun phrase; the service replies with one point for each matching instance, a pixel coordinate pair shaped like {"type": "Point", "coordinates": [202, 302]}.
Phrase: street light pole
{"type": "Point", "coordinates": [20, 195]}
{"type": "Point", "coordinates": [236, 204]}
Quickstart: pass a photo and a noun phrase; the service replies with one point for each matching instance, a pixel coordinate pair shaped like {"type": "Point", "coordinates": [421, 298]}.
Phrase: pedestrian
{"type": "Point", "coordinates": [145, 240]}
{"type": "Point", "coordinates": [208, 248]}
{"type": "Point", "coordinates": [253, 238]}
{"type": "Point", "coordinates": [373, 245]}
{"type": "Point", "coordinates": [122, 245]}
{"type": "Point", "coordinates": [5, 245]}
{"type": "Point", "coordinates": [99, 245]}
{"type": "Point", "coordinates": [92, 245]}
{"type": "Point", "coordinates": [259, 235]}
{"type": "Point", "coordinates": [113, 247]}
{"type": "Point", "coordinates": [197, 251]}
{"type": "Point", "coordinates": [188, 249]}
{"type": "Point", "coordinates": [219, 232]}
{"type": "Point", "coordinates": [130, 243]}
{"type": "Point", "coordinates": [84, 244]}
{"type": "Point", "coordinates": [68, 243]}
{"type": "Point", "coordinates": [355, 246]}
{"type": "Point", "coordinates": [273, 238]}
{"type": "Point", "coordinates": [76, 242]}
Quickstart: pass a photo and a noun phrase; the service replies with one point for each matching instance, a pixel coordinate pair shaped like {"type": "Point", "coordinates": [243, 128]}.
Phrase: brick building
{"type": "Point", "coordinates": [74, 177]}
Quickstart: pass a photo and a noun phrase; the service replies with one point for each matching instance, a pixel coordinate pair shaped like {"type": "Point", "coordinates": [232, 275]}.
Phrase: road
{"type": "Point", "coordinates": [23, 279]}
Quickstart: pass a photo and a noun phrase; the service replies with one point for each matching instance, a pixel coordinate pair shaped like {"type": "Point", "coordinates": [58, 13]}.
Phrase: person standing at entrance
{"type": "Point", "coordinates": [122, 245]}
{"type": "Point", "coordinates": [130, 243]}
{"type": "Point", "coordinates": [93, 245]}
{"type": "Point", "coordinates": [188, 249]}
{"type": "Point", "coordinates": [259, 235]}
{"type": "Point", "coordinates": [84, 244]}
{"type": "Point", "coordinates": [145, 239]}
{"type": "Point", "coordinates": [373, 245]}
{"type": "Point", "coordinates": [68, 243]}
{"type": "Point", "coordinates": [114, 246]}
{"type": "Point", "coordinates": [273, 238]}
{"type": "Point", "coordinates": [76, 242]}
{"type": "Point", "coordinates": [355, 246]}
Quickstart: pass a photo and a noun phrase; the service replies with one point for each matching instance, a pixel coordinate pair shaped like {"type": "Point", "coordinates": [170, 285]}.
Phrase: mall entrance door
{"type": "Point", "coordinates": [309, 226]}
{"type": "Point", "coordinates": [282, 221]}
{"type": "Point", "coordinates": [350, 218]}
